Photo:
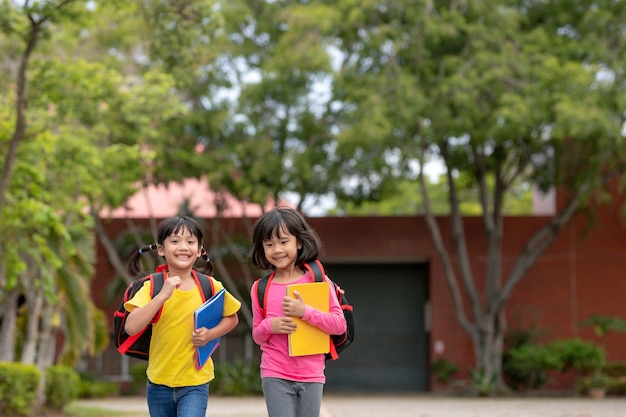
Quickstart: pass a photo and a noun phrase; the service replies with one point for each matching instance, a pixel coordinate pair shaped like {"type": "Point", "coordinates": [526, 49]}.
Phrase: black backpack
{"type": "Point", "coordinates": [138, 345]}
{"type": "Point", "coordinates": [316, 269]}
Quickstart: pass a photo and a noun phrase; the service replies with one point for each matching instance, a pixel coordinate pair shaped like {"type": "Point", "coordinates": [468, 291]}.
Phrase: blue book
{"type": "Point", "coordinates": [208, 315]}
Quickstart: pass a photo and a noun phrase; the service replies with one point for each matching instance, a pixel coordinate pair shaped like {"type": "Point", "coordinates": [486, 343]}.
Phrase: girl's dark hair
{"type": "Point", "coordinates": [271, 223]}
{"type": "Point", "coordinates": [167, 228]}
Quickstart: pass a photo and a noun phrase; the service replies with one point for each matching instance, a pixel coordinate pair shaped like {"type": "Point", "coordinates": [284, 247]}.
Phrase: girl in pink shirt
{"type": "Point", "coordinates": [292, 385]}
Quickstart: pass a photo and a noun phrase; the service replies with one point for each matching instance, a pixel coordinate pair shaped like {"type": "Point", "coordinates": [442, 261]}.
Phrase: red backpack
{"type": "Point", "coordinates": [138, 345]}
{"type": "Point", "coordinates": [316, 269]}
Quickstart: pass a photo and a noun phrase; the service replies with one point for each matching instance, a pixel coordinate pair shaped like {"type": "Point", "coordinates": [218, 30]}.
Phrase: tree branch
{"type": "Point", "coordinates": [444, 257]}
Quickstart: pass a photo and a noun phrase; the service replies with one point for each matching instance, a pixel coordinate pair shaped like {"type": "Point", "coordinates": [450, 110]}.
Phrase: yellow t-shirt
{"type": "Point", "coordinates": [172, 360]}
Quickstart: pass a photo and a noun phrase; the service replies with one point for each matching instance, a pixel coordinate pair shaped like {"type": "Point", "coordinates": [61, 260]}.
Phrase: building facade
{"type": "Point", "coordinates": [403, 309]}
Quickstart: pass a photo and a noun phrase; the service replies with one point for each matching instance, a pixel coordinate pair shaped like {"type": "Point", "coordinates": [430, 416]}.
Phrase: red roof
{"type": "Point", "coordinates": [164, 201]}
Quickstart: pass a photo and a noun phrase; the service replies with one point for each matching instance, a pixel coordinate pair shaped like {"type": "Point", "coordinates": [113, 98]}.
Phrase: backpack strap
{"type": "Point", "coordinates": [156, 285]}
{"type": "Point", "coordinates": [205, 284]}
{"type": "Point", "coordinates": [316, 269]}
{"type": "Point", "coordinates": [261, 285]}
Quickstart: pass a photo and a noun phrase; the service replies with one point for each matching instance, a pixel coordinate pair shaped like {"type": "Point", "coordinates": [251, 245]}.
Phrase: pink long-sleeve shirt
{"type": "Point", "coordinates": [275, 359]}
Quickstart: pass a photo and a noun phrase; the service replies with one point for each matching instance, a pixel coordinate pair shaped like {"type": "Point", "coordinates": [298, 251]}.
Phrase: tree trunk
{"type": "Point", "coordinates": [488, 343]}
{"type": "Point", "coordinates": [109, 247]}
{"type": "Point", "coordinates": [46, 348]}
{"type": "Point", "coordinates": [8, 326]}
{"type": "Point", "coordinates": [34, 303]}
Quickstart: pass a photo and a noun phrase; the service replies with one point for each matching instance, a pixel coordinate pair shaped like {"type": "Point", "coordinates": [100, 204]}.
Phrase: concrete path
{"type": "Point", "coordinates": [423, 406]}
{"type": "Point", "coordinates": [398, 406]}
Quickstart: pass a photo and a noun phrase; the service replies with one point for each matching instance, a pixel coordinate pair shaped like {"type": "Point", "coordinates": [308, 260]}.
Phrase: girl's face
{"type": "Point", "coordinates": [282, 250]}
{"type": "Point", "coordinates": [180, 250]}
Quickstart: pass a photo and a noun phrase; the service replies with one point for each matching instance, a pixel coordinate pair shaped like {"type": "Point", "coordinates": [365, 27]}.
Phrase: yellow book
{"type": "Point", "coordinates": [308, 339]}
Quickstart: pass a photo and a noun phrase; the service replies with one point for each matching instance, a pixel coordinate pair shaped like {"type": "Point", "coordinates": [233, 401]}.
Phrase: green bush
{"type": "Point", "coordinates": [139, 378]}
{"type": "Point", "coordinates": [18, 387]}
{"type": "Point", "coordinates": [527, 366]}
{"type": "Point", "coordinates": [578, 355]}
{"type": "Point", "coordinates": [443, 370]}
{"type": "Point", "coordinates": [615, 369]}
{"type": "Point", "coordinates": [614, 385]}
{"type": "Point", "coordinates": [617, 386]}
{"type": "Point", "coordinates": [483, 385]}
{"type": "Point", "coordinates": [62, 385]}
{"type": "Point", "coordinates": [91, 386]}
{"type": "Point", "coordinates": [237, 379]}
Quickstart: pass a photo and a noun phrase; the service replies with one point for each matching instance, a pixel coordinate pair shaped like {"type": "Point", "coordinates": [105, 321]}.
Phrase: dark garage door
{"type": "Point", "coordinates": [390, 349]}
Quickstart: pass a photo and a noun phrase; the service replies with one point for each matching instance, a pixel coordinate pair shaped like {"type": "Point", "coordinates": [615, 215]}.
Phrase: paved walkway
{"type": "Point", "coordinates": [428, 406]}
{"type": "Point", "coordinates": [399, 406]}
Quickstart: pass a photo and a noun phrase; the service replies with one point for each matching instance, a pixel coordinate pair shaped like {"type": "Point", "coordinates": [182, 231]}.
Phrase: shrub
{"type": "Point", "coordinates": [237, 379]}
{"type": "Point", "coordinates": [578, 355]}
{"type": "Point", "coordinates": [527, 365]}
{"type": "Point", "coordinates": [443, 370]}
{"type": "Point", "coordinates": [616, 369]}
{"type": "Point", "coordinates": [62, 385]}
{"type": "Point", "coordinates": [90, 386]}
{"type": "Point", "coordinates": [616, 385]}
{"type": "Point", "coordinates": [138, 377]}
{"type": "Point", "coordinates": [482, 384]}
{"type": "Point", "coordinates": [18, 387]}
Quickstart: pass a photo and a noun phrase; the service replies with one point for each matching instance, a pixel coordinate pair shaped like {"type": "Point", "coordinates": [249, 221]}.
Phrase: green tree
{"type": "Point", "coordinates": [72, 132]}
{"type": "Point", "coordinates": [506, 95]}
{"type": "Point", "coordinates": [255, 127]}
{"type": "Point", "coordinates": [400, 198]}
{"type": "Point", "coordinates": [502, 93]}
{"type": "Point", "coordinates": [288, 99]}
{"type": "Point", "coordinates": [256, 123]}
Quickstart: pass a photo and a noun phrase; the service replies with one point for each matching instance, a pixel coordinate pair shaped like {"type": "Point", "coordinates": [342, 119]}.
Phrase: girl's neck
{"type": "Point", "coordinates": [287, 275]}
{"type": "Point", "coordinates": [183, 274]}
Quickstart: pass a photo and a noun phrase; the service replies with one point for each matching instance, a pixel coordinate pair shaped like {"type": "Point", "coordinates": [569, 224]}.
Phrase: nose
{"type": "Point", "coordinates": [185, 245]}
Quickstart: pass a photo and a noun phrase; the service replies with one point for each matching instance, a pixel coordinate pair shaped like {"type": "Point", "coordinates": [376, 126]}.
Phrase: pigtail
{"type": "Point", "coordinates": [134, 263]}
{"type": "Point", "coordinates": [206, 269]}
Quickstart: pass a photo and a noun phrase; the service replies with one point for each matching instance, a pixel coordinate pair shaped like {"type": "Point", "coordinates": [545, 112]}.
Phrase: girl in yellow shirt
{"type": "Point", "coordinates": [175, 386]}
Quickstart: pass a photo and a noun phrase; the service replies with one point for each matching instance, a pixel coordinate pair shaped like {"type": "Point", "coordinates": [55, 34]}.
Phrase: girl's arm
{"type": "Point", "coordinates": [141, 316]}
{"type": "Point", "coordinates": [261, 327]}
{"type": "Point", "coordinates": [331, 323]}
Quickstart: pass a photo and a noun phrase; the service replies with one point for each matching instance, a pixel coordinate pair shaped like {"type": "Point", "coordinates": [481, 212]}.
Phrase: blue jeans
{"type": "Point", "coordinates": [164, 401]}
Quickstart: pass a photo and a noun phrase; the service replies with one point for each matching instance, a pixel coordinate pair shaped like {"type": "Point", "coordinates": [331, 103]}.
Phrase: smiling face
{"type": "Point", "coordinates": [281, 250]}
{"type": "Point", "coordinates": [180, 250]}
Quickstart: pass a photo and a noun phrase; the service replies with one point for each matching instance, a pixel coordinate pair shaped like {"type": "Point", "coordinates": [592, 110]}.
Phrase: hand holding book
{"type": "Point", "coordinates": [208, 315]}
{"type": "Point", "coordinates": [294, 305]}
